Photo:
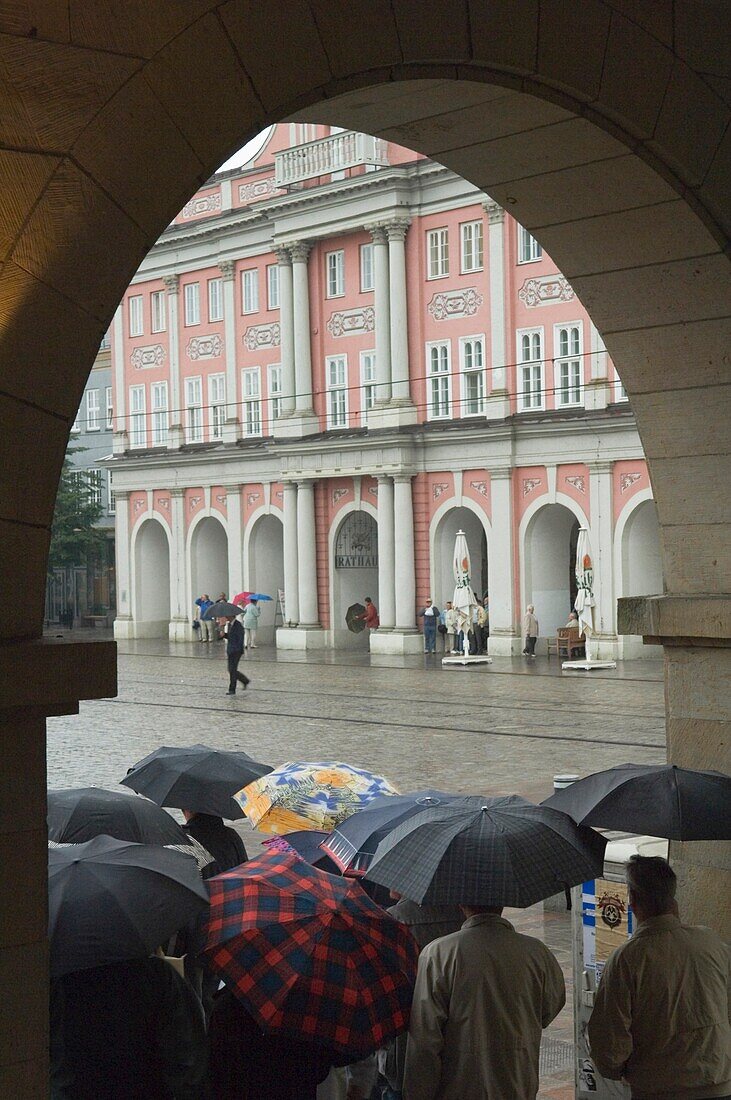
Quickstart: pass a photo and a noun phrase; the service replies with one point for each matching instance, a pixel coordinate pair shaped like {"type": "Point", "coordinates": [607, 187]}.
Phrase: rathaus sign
{"type": "Point", "coordinates": [357, 543]}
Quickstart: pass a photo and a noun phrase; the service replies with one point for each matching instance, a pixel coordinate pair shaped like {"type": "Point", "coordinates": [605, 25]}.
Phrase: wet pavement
{"type": "Point", "coordinates": [493, 729]}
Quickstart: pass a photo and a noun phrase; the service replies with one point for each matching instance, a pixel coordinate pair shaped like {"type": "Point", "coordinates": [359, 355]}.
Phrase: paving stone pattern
{"type": "Point", "coordinates": [498, 729]}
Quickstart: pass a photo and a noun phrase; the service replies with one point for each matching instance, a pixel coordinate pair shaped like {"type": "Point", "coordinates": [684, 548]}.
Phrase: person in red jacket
{"type": "Point", "coordinates": [370, 614]}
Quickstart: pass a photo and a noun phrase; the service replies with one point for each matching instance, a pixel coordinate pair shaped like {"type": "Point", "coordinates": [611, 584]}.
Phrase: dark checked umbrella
{"type": "Point", "coordinates": [306, 844]}
{"type": "Point", "coordinates": [195, 777]}
{"type": "Point", "coordinates": [81, 813]}
{"type": "Point", "coordinates": [654, 799]}
{"type": "Point", "coordinates": [111, 900]}
{"type": "Point", "coordinates": [486, 851]}
{"type": "Point", "coordinates": [221, 609]}
{"type": "Point", "coordinates": [310, 954]}
{"type": "Point", "coordinates": [353, 618]}
{"type": "Point", "coordinates": [352, 844]}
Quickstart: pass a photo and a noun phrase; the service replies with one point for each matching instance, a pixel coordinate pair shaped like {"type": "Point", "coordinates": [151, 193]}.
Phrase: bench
{"type": "Point", "coordinates": [92, 620]}
{"type": "Point", "coordinates": [567, 642]}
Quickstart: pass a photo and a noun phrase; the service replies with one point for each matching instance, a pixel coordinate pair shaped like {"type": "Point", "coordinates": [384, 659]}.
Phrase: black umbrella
{"type": "Point", "coordinates": [353, 618]}
{"type": "Point", "coordinates": [352, 845]}
{"type": "Point", "coordinates": [656, 799]}
{"type": "Point", "coordinates": [79, 814]}
{"type": "Point", "coordinates": [195, 777]}
{"type": "Point", "coordinates": [222, 609]}
{"type": "Point", "coordinates": [487, 851]}
{"type": "Point", "coordinates": [111, 900]}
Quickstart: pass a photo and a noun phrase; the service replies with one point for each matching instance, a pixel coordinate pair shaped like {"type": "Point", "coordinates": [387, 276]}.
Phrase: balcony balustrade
{"type": "Point", "coordinates": [331, 154]}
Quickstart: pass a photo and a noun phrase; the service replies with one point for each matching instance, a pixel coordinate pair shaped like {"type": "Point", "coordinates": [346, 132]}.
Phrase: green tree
{"type": "Point", "coordinates": [75, 538]}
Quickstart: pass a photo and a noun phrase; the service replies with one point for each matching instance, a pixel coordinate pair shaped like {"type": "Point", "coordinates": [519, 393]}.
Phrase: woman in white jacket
{"type": "Point", "coordinates": [251, 622]}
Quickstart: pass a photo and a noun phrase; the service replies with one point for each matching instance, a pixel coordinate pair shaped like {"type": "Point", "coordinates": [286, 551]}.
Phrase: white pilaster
{"type": "Point", "coordinates": [235, 539]}
{"type": "Point", "coordinates": [386, 551]}
{"type": "Point", "coordinates": [303, 421]}
{"type": "Point", "coordinates": [176, 436]}
{"type": "Point", "coordinates": [120, 443]}
{"type": "Point", "coordinates": [504, 640]}
{"type": "Point", "coordinates": [306, 549]}
{"type": "Point", "coordinates": [180, 612]}
{"type": "Point", "coordinates": [291, 564]}
{"type": "Point", "coordinates": [596, 390]}
{"type": "Point", "coordinates": [399, 312]}
{"type": "Point", "coordinates": [123, 625]}
{"type": "Point", "coordinates": [232, 425]}
{"type": "Point", "coordinates": [605, 645]}
{"type": "Point", "coordinates": [404, 638]}
{"type": "Point", "coordinates": [498, 402]}
{"type": "Point", "coordinates": [286, 328]}
{"type": "Point", "coordinates": [382, 307]}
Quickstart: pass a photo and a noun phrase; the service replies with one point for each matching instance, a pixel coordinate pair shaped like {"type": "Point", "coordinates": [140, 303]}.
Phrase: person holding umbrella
{"type": "Point", "coordinates": [227, 615]}
{"type": "Point", "coordinates": [370, 615]}
{"type": "Point", "coordinates": [251, 623]}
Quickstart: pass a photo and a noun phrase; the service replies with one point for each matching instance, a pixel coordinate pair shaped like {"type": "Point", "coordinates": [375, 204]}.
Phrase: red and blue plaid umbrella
{"type": "Point", "coordinates": [310, 954]}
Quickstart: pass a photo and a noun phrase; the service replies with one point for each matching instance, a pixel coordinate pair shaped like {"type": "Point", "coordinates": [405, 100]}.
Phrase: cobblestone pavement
{"type": "Point", "coordinates": [503, 728]}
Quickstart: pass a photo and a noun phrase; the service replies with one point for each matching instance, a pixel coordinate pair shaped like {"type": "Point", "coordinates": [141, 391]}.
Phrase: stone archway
{"type": "Point", "coordinates": [266, 570]}
{"type": "Point", "coordinates": [151, 612]}
{"type": "Point", "coordinates": [208, 559]}
{"type": "Point", "coordinates": [641, 567]}
{"type": "Point", "coordinates": [454, 520]}
{"type": "Point", "coordinates": [354, 574]}
{"type": "Point", "coordinates": [549, 561]}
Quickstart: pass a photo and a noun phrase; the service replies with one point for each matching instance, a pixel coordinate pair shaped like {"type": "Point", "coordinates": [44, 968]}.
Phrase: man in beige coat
{"type": "Point", "coordinates": [482, 997]}
{"type": "Point", "coordinates": [661, 1015]}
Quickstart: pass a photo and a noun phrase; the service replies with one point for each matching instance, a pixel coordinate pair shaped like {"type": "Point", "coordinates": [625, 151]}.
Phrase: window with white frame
{"type": "Point", "coordinates": [528, 247]}
{"type": "Point", "coordinates": [136, 327]}
{"type": "Point", "coordinates": [438, 357]}
{"type": "Point", "coordinates": [250, 290]}
{"type": "Point", "coordinates": [568, 364]}
{"type": "Point", "coordinates": [94, 480]}
{"type": "Point", "coordinates": [92, 411]}
{"type": "Point", "coordinates": [109, 410]}
{"type": "Point", "coordinates": [335, 266]}
{"type": "Point", "coordinates": [336, 377]}
{"type": "Point", "coordinates": [159, 402]}
{"type": "Point", "coordinates": [193, 410]}
{"type": "Point", "coordinates": [158, 311]}
{"type": "Point", "coordinates": [106, 341]}
{"type": "Point", "coordinates": [472, 357]}
{"type": "Point", "coordinates": [367, 272]}
{"type": "Point", "coordinates": [76, 426]}
{"type": "Point", "coordinates": [620, 393]}
{"type": "Point", "coordinates": [192, 301]}
{"type": "Point", "coordinates": [530, 369]}
{"type": "Point", "coordinates": [276, 391]}
{"type": "Point", "coordinates": [215, 299]}
{"type": "Point", "coordinates": [217, 404]}
{"type": "Point", "coordinates": [111, 505]}
{"type": "Point", "coordinates": [251, 392]}
{"type": "Point", "coordinates": [368, 380]}
{"type": "Point", "coordinates": [273, 286]}
{"type": "Point", "coordinates": [471, 237]}
{"type": "Point", "coordinates": [137, 417]}
{"type": "Point", "coordinates": [437, 251]}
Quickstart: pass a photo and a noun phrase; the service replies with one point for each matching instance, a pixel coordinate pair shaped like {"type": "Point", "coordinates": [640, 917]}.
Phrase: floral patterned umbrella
{"type": "Point", "coordinates": [585, 602]}
{"type": "Point", "coordinates": [303, 795]}
{"type": "Point", "coordinates": [463, 600]}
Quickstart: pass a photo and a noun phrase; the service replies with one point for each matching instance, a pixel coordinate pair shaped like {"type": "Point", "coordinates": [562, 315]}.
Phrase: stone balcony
{"type": "Point", "coordinates": [327, 155]}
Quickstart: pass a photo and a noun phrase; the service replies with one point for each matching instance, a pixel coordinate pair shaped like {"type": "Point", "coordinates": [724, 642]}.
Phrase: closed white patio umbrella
{"type": "Point", "coordinates": [463, 601]}
{"type": "Point", "coordinates": [585, 604]}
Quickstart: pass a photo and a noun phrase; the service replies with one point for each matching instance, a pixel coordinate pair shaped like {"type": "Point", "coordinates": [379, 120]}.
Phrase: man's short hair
{"type": "Point", "coordinates": [652, 883]}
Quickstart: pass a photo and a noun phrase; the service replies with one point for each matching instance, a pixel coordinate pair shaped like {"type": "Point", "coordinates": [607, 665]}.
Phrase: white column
{"type": "Point", "coordinates": [386, 550]}
{"type": "Point", "coordinates": [235, 539]}
{"type": "Point", "coordinates": [301, 313]}
{"type": "Point", "coordinates": [180, 598]}
{"type": "Point", "coordinates": [120, 443]}
{"type": "Point", "coordinates": [123, 627]}
{"type": "Point", "coordinates": [399, 311]}
{"type": "Point", "coordinates": [306, 551]}
{"type": "Point", "coordinates": [404, 571]}
{"type": "Point", "coordinates": [601, 537]}
{"type": "Point", "coordinates": [382, 308]}
{"type": "Point", "coordinates": [498, 404]}
{"type": "Point", "coordinates": [286, 329]}
{"type": "Point", "coordinates": [504, 638]}
{"type": "Point", "coordinates": [176, 436]}
{"type": "Point", "coordinates": [291, 564]}
{"type": "Point", "coordinates": [232, 426]}
{"type": "Point", "coordinates": [596, 390]}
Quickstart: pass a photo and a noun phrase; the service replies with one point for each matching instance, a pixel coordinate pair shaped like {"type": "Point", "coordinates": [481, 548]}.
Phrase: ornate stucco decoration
{"type": "Point", "coordinates": [204, 347]}
{"type": "Point", "coordinates": [260, 189]}
{"type": "Point", "coordinates": [545, 290]}
{"type": "Point", "coordinates": [349, 321]}
{"type": "Point", "coordinates": [202, 204]}
{"type": "Point", "coordinates": [338, 494]}
{"type": "Point", "coordinates": [439, 489]}
{"type": "Point", "coordinates": [262, 336]}
{"type": "Point", "coordinates": [578, 482]}
{"type": "Point", "coordinates": [449, 304]}
{"type": "Point", "coordinates": [148, 356]}
{"type": "Point", "coordinates": [479, 487]}
{"type": "Point", "coordinates": [626, 481]}
{"type": "Point", "coordinates": [529, 484]}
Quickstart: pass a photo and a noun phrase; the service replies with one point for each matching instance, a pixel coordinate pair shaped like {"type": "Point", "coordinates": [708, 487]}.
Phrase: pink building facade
{"type": "Point", "coordinates": [334, 359]}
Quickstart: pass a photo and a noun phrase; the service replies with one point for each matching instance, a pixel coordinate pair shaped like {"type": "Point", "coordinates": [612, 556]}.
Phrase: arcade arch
{"type": "Point", "coordinates": [638, 563]}
{"type": "Point", "coordinates": [549, 562]}
{"type": "Point", "coordinates": [444, 528]}
{"type": "Point", "coordinates": [208, 557]}
{"type": "Point", "coordinates": [265, 568]}
{"type": "Point", "coordinates": [151, 587]}
{"type": "Point", "coordinates": [353, 572]}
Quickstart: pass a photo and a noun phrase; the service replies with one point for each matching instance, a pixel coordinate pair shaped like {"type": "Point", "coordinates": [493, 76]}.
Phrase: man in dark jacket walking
{"type": "Point", "coordinates": [234, 652]}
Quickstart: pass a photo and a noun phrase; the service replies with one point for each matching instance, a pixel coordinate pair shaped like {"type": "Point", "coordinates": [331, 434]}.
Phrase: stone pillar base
{"type": "Point", "coordinates": [120, 443]}
{"type": "Point", "coordinates": [179, 630]}
{"type": "Point", "coordinates": [232, 430]}
{"type": "Point", "coordinates": [596, 394]}
{"type": "Point", "coordinates": [296, 425]}
{"type": "Point", "coordinates": [504, 645]}
{"type": "Point", "coordinates": [397, 413]}
{"type": "Point", "coordinates": [176, 437]}
{"type": "Point", "coordinates": [301, 637]}
{"type": "Point", "coordinates": [603, 647]}
{"type": "Point", "coordinates": [497, 406]}
{"type": "Point", "coordinates": [396, 643]}
{"type": "Point", "coordinates": [123, 627]}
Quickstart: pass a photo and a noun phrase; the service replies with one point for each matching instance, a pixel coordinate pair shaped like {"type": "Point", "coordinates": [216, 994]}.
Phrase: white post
{"type": "Point", "coordinates": [399, 311]}
{"type": "Point", "coordinates": [306, 549]}
{"type": "Point", "coordinates": [180, 598]}
{"type": "Point", "coordinates": [120, 442]}
{"type": "Point", "coordinates": [286, 328]}
{"type": "Point", "coordinates": [386, 551]}
{"type": "Point", "coordinates": [596, 390]}
{"type": "Point", "coordinates": [176, 436]}
{"type": "Point", "coordinates": [382, 308]}
{"type": "Point", "coordinates": [235, 539]}
{"type": "Point", "coordinates": [504, 640]}
{"type": "Point", "coordinates": [302, 351]}
{"type": "Point", "coordinates": [404, 572]}
{"type": "Point", "coordinates": [123, 623]}
{"type": "Point", "coordinates": [232, 426]}
{"type": "Point", "coordinates": [605, 642]}
{"type": "Point", "coordinates": [498, 403]}
{"type": "Point", "coordinates": [291, 564]}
